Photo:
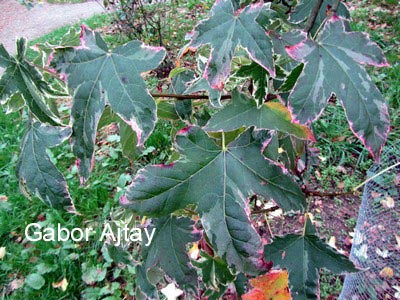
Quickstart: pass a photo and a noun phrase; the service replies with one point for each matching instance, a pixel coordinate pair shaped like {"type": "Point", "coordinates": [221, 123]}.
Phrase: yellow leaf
{"type": "Point", "coordinates": [63, 284]}
{"type": "Point", "coordinates": [311, 217]}
{"type": "Point", "coordinates": [332, 242]}
{"type": "Point", "coordinates": [271, 286]}
{"type": "Point", "coordinates": [194, 252]}
{"type": "Point", "coordinates": [386, 272]}
{"type": "Point", "coordinates": [2, 252]}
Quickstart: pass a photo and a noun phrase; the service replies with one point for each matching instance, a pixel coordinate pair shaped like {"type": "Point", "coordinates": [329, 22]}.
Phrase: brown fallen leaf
{"type": "Point", "coordinates": [388, 202]}
{"type": "Point", "coordinates": [15, 284]}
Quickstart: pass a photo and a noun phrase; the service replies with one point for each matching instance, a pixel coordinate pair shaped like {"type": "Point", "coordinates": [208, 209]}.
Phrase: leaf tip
{"type": "Point", "coordinates": [184, 131]}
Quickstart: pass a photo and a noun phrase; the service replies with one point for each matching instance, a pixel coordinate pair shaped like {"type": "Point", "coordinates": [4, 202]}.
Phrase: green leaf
{"type": "Point", "coordinates": [46, 51]}
{"type": "Point", "coordinates": [260, 77]}
{"type": "Point", "coordinates": [281, 42]}
{"type": "Point", "coordinates": [218, 181]}
{"type": "Point", "coordinates": [183, 107]}
{"type": "Point", "coordinates": [88, 105]}
{"type": "Point", "coordinates": [35, 281]}
{"type": "Point", "coordinates": [101, 76]}
{"type": "Point", "coordinates": [214, 270]}
{"type": "Point", "coordinates": [285, 149]}
{"type": "Point", "coordinates": [304, 8]}
{"type": "Point", "coordinates": [37, 174]}
{"type": "Point", "coordinates": [107, 117]}
{"type": "Point", "coordinates": [291, 79]}
{"type": "Point", "coordinates": [168, 250]}
{"type": "Point", "coordinates": [332, 64]}
{"type": "Point", "coordinates": [201, 84]}
{"type": "Point", "coordinates": [166, 110]}
{"type": "Point", "coordinates": [22, 84]}
{"type": "Point", "coordinates": [303, 256]}
{"type": "Point", "coordinates": [93, 275]}
{"type": "Point", "coordinates": [128, 141]}
{"type": "Point", "coordinates": [144, 288]}
{"type": "Point", "coordinates": [243, 112]}
{"type": "Point", "coordinates": [226, 29]}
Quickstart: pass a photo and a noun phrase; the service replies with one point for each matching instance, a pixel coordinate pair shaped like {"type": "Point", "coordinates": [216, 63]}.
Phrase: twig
{"type": "Point", "coordinates": [313, 16]}
{"type": "Point", "coordinates": [322, 194]}
{"type": "Point", "coordinates": [376, 175]}
{"type": "Point", "coordinates": [269, 226]}
{"type": "Point", "coordinates": [185, 97]}
{"type": "Point", "coordinates": [266, 210]}
{"type": "Point", "coordinates": [335, 6]}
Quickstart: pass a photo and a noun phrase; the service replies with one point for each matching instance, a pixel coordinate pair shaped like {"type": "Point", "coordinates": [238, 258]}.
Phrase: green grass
{"type": "Point", "coordinates": [335, 140]}
{"type": "Point", "coordinates": [96, 205]}
{"type": "Point", "coordinates": [54, 37]}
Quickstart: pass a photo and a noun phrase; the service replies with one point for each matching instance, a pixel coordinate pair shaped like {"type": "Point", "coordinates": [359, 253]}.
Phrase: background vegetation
{"type": "Point", "coordinates": [32, 270]}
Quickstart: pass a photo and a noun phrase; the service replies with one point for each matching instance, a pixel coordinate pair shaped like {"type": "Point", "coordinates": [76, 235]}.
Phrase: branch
{"type": "Point", "coordinates": [185, 97]}
{"type": "Point", "coordinates": [335, 6]}
{"type": "Point", "coordinates": [313, 16]}
{"type": "Point", "coordinates": [324, 194]}
{"type": "Point", "coordinates": [264, 211]}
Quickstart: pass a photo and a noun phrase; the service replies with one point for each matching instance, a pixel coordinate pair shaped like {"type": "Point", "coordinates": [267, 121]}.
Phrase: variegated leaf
{"type": "Point", "coordinates": [218, 181]}
{"type": "Point", "coordinates": [167, 251]}
{"type": "Point", "coordinates": [22, 84]}
{"type": "Point", "coordinates": [101, 76]}
{"type": "Point", "coordinates": [303, 256]}
{"type": "Point", "coordinates": [333, 65]}
{"type": "Point", "coordinates": [226, 29]}
{"type": "Point", "coordinates": [37, 175]}
{"type": "Point", "coordinates": [243, 112]}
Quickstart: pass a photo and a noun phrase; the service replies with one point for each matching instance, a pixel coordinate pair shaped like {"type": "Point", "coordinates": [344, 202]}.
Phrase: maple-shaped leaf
{"type": "Point", "coordinates": [23, 84]}
{"type": "Point", "coordinates": [168, 250]}
{"type": "Point", "coordinates": [333, 64]}
{"type": "Point", "coordinates": [271, 286]}
{"type": "Point", "coordinates": [218, 181]}
{"type": "Point", "coordinates": [303, 256]}
{"type": "Point", "coordinates": [38, 176]}
{"type": "Point", "coordinates": [101, 76]}
{"type": "Point", "coordinates": [224, 31]}
{"type": "Point", "coordinates": [243, 112]}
